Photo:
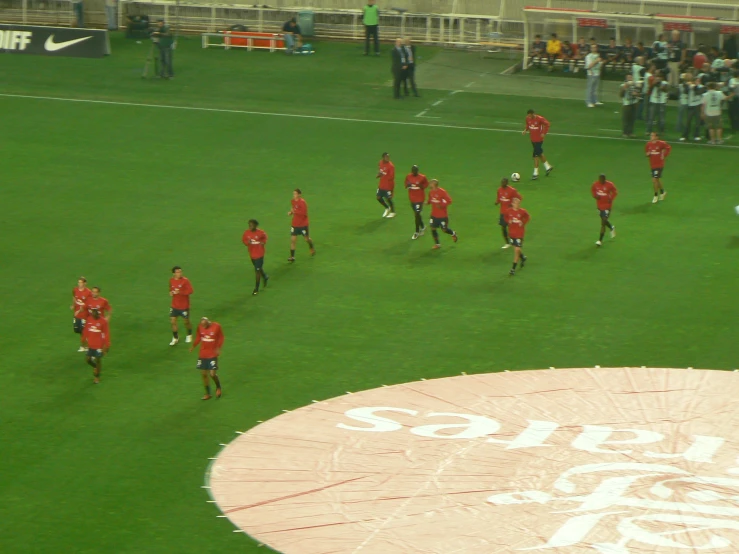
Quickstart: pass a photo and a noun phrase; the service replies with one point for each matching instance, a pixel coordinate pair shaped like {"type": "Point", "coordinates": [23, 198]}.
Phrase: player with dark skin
{"type": "Point", "coordinates": [206, 373]}
{"type": "Point", "coordinates": [96, 360]}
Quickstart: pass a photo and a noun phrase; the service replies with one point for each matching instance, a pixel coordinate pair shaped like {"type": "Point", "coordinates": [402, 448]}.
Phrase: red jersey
{"type": "Point", "coordinates": [210, 340]}
{"type": "Point", "coordinates": [517, 220]}
{"type": "Point", "coordinates": [182, 290]}
{"type": "Point", "coordinates": [657, 150]}
{"type": "Point", "coordinates": [416, 185]}
{"type": "Point", "coordinates": [98, 303]}
{"type": "Point", "coordinates": [386, 175]}
{"type": "Point", "coordinates": [604, 194]}
{"type": "Point", "coordinates": [538, 127]}
{"type": "Point", "coordinates": [505, 195]}
{"type": "Point", "coordinates": [255, 241]}
{"type": "Point", "coordinates": [300, 212]}
{"type": "Point", "coordinates": [79, 301]}
{"type": "Point", "coordinates": [96, 333]}
{"type": "Point", "coordinates": [440, 201]}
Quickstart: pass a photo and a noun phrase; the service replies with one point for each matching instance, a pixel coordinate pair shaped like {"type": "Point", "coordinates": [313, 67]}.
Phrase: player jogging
{"type": "Point", "coordinates": [440, 201]}
{"type": "Point", "coordinates": [299, 225]}
{"type": "Point", "coordinates": [80, 293]}
{"type": "Point", "coordinates": [517, 218]}
{"type": "Point", "coordinates": [386, 175]}
{"type": "Point", "coordinates": [657, 151]}
{"type": "Point", "coordinates": [180, 290]}
{"type": "Point", "coordinates": [255, 239]}
{"type": "Point", "coordinates": [209, 336]}
{"type": "Point", "coordinates": [97, 337]}
{"type": "Point", "coordinates": [506, 193]}
{"type": "Point", "coordinates": [97, 302]}
{"type": "Point", "coordinates": [605, 193]}
{"type": "Point", "coordinates": [416, 184]}
{"type": "Point", "coordinates": [537, 127]}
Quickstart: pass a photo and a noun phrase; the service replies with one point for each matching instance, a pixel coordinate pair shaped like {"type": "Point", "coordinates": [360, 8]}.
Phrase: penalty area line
{"type": "Point", "coordinates": [322, 117]}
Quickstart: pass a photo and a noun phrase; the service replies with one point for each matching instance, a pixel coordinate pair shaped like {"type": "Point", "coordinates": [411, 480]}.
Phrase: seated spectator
{"type": "Point", "coordinates": [582, 49]}
{"type": "Point", "coordinates": [554, 49]}
{"type": "Point", "coordinates": [612, 54]}
{"type": "Point", "coordinates": [700, 58]}
{"type": "Point", "coordinates": [137, 25]}
{"type": "Point", "coordinates": [293, 36]}
{"type": "Point", "coordinates": [538, 50]}
{"type": "Point", "coordinates": [641, 50]}
{"type": "Point", "coordinates": [568, 58]}
{"type": "Point", "coordinates": [713, 53]}
{"type": "Point", "coordinates": [628, 52]}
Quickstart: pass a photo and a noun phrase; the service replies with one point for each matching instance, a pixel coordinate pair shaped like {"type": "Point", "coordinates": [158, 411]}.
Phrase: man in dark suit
{"type": "Point", "coordinates": [399, 67]}
{"type": "Point", "coordinates": [410, 74]}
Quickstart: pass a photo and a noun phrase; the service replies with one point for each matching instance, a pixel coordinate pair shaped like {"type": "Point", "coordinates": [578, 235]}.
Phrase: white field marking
{"type": "Point", "coordinates": [421, 114]}
{"type": "Point", "coordinates": [437, 102]}
{"type": "Point", "coordinates": [455, 92]}
{"type": "Point", "coordinates": [326, 118]}
{"type": "Point", "coordinates": [507, 123]}
{"type": "Point", "coordinates": [611, 130]}
{"type": "Point", "coordinates": [468, 85]}
{"type": "Point", "coordinates": [430, 116]}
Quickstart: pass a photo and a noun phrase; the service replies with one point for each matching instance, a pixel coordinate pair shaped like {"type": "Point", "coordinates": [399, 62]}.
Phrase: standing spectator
{"type": "Point", "coordinates": [613, 55]}
{"type": "Point", "coordinates": [582, 49]}
{"type": "Point", "coordinates": [659, 52]}
{"type": "Point", "coordinates": [734, 102]}
{"type": "Point", "coordinates": [371, 21]}
{"type": "Point", "coordinates": [700, 58]}
{"type": "Point", "coordinates": [677, 51]}
{"type": "Point", "coordinates": [646, 81]}
{"type": "Point", "coordinates": [637, 75]}
{"type": "Point", "coordinates": [713, 53]}
{"type": "Point", "coordinates": [166, 44]}
{"type": "Point", "coordinates": [694, 89]}
{"type": "Point", "coordinates": [111, 14]}
{"type": "Point", "coordinates": [658, 93]}
{"type": "Point", "coordinates": [399, 67]}
{"type": "Point", "coordinates": [683, 95]}
{"type": "Point", "coordinates": [293, 36]}
{"type": "Point", "coordinates": [78, 8]}
{"type": "Point", "coordinates": [410, 74]}
{"type": "Point", "coordinates": [629, 94]}
{"type": "Point", "coordinates": [554, 49]}
{"type": "Point", "coordinates": [731, 47]}
{"type": "Point", "coordinates": [593, 64]}
{"type": "Point", "coordinates": [538, 49]}
{"type": "Point", "coordinates": [711, 114]}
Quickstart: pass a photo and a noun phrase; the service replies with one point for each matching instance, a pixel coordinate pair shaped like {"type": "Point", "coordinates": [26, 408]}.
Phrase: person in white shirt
{"type": "Point", "coordinates": [111, 14]}
{"type": "Point", "coordinates": [593, 65]}
{"type": "Point", "coordinates": [711, 113]}
{"type": "Point", "coordinates": [629, 93]}
{"type": "Point", "coordinates": [658, 93]}
{"type": "Point", "coordinates": [694, 91]}
{"type": "Point", "coordinates": [734, 102]}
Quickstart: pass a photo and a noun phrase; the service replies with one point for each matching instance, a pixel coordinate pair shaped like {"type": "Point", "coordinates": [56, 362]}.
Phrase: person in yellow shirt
{"type": "Point", "coordinates": [554, 50]}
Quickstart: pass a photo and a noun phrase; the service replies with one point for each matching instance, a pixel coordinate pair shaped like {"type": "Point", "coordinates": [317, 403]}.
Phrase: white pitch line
{"type": "Point", "coordinates": [421, 114]}
{"type": "Point", "coordinates": [468, 85]}
{"type": "Point", "coordinates": [430, 116]}
{"type": "Point", "coordinates": [437, 102]}
{"type": "Point", "coordinates": [325, 118]}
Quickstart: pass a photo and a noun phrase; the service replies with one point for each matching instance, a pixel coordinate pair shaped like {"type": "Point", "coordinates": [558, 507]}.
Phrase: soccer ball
{"type": "Point", "coordinates": [515, 177]}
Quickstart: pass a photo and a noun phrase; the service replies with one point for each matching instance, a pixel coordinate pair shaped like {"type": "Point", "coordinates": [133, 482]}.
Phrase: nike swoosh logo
{"type": "Point", "coordinates": [51, 46]}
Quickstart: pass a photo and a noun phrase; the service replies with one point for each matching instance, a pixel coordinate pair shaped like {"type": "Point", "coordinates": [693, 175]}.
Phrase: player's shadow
{"type": "Point", "coordinates": [733, 242]}
{"type": "Point", "coordinates": [491, 256]}
{"type": "Point", "coordinates": [400, 248]}
{"type": "Point", "coordinates": [583, 254]}
{"type": "Point", "coordinates": [370, 226]}
{"type": "Point", "coordinates": [637, 209]}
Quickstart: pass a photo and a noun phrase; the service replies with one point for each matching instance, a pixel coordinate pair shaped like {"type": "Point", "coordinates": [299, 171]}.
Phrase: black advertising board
{"type": "Point", "coordinates": [54, 41]}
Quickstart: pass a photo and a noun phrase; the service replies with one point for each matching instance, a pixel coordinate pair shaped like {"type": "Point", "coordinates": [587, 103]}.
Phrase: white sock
{"type": "Point", "coordinates": [536, 171]}
{"type": "Point", "coordinates": [546, 165]}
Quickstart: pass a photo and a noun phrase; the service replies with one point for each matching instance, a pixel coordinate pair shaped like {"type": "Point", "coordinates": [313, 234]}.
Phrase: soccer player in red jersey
{"type": "Point", "coordinates": [506, 193]}
{"type": "Point", "coordinates": [605, 193]}
{"type": "Point", "coordinates": [440, 201]}
{"type": "Point", "coordinates": [416, 184]}
{"type": "Point", "coordinates": [97, 337]}
{"type": "Point", "coordinates": [255, 239]}
{"type": "Point", "coordinates": [299, 212]}
{"type": "Point", "coordinates": [517, 218]}
{"type": "Point", "coordinates": [97, 302]}
{"type": "Point", "coordinates": [657, 151]}
{"type": "Point", "coordinates": [80, 293]}
{"type": "Point", "coordinates": [180, 290]}
{"type": "Point", "coordinates": [209, 336]}
{"type": "Point", "coordinates": [537, 127]}
{"type": "Point", "coordinates": [386, 175]}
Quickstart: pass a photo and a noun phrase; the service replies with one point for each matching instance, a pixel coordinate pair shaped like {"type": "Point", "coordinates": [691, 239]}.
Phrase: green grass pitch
{"type": "Point", "coordinates": [120, 193]}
